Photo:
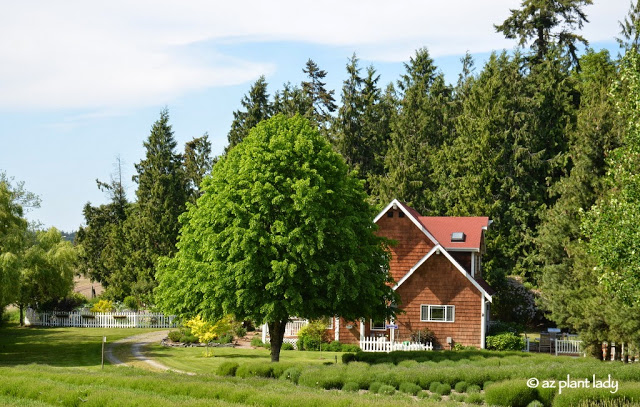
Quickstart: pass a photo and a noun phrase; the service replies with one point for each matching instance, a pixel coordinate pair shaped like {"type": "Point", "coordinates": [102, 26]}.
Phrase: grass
{"type": "Point", "coordinates": [62, 347]}
{"type": "Point", "coordinates": [192, 360]}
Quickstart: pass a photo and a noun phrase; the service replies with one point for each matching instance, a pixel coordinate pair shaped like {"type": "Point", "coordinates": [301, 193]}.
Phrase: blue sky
{"type": "Point", "coordinates": [82, 82]}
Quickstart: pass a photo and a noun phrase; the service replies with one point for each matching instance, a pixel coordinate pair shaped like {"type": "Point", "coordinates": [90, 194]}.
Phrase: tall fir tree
{"type": "Point", "coordinates": [197, 164]}
{"type": "Point", "coordinates": [547, 23]}
{"type": "Point", "coordinates": [420, 128]}
{"type": "Point", "coordinates": [162, 194]}
{"type": "Point", "coordinates": [363, 124]}
{"type": "Point", "coordinates": [256, 108]}
{"type": "Point", "coordinates": [322, 100]}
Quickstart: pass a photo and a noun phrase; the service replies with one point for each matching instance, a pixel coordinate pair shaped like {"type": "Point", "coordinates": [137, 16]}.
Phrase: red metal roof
{"type": "Point", "coordinates": [441, 227]}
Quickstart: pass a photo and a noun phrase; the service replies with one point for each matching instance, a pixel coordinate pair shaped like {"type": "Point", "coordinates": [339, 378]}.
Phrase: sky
{"type": "Point", "coordinates": [82, 82]}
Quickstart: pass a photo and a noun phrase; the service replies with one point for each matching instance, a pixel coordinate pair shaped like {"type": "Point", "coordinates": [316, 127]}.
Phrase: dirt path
{"type": "Point", "coordinates": [137, 343]}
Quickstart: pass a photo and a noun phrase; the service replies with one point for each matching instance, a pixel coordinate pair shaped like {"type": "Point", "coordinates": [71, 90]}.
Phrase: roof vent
{"type": "Point", "coordinates": [458, 237]}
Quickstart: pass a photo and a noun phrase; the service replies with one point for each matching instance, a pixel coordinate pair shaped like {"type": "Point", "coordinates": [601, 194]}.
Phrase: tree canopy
{"type": "Point", "coordinates": [282, 230]}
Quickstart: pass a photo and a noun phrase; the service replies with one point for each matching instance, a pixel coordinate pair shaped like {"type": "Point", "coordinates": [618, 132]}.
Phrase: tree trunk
{"type": "Point", "coordinates": [21, 314]}
{"type": "Point", "coordinates": [276, 332]}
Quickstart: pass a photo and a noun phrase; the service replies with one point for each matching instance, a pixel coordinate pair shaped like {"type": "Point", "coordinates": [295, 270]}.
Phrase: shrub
{"type": "Point", "coordinates": [461, 387]}
{"type": "Point", "coordinates": [475, 398]}
{"type": "Point", "coordinates": [239, 331]}
{"type": "Point", "coordinates": [227, 369]}
{"type": "Point", "coordinates": [487, 384]}
{"type": "Point", "coordinates": [287, 346]}
{"type": "Point", "coordinates": [131, 302]}
{"type": "Point", "coordinates": [443, 389]}
{"type": "Point", "coordinates": [460, 398]}
{"type": "Point", "coordinates": [175, 336]}
{"type": "Point", "coordinates": [255, 369]}
{"type": "Point", "coordinates": [423, 395]}
{"type": "Point", "coordinates": [409, 388]}
{"type": "Point", "coordinates": [424, 336]}
{"type": "Point", "coordinates": [505, 341]}
{"type": "Point", "coordinates": [499, 327]}
{"type": "Point", "coordinates": [225, 338]}
{"type": "Point", "coordinates": [513, 393]}
{"type": "Point", "coordinates": [350, 348]}
{"type": "Point", "coordinates": [433, 387]}
{"type": "Point", "coordinates": [188, 338]}
{"type": "Point", "coordinates": [348, 357]}
{"type": "Point", "coordinates": [535, 403]}
{"type": "Point", "coordinates": [436, 397]}
{"type": "Point", "coordinates": [375, 386]}
{"type": "Point", "coordinates": [387, 390]}
{"type": "Point", "coordinates": [310, 335]}
{"type": "Point", "coordinates": [103, 306]}
{"type": "Point", "coordinates": [473, 388]}
{"type": "Point", "coordinates": [256, 342]}
{"type": "Point", "coordinates": [292, 374]}
{"type": "Point", "coordinates": [68, 303]}
{"type": "Point", "coordinates": [328, 377]}
{"type": "Point", "coordinates": [350, 386]}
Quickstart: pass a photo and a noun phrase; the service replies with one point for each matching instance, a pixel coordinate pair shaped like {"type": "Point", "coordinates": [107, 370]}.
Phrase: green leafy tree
{"type": "Point", "coordinates": [282, 230]}
{"type": "Point", "coordinates": [152, 227]}
{"type": "Point", "coordinates": [12, 229]}
{"type": "Point", "coordinates": [256, 108]}
{"type": "Point", "coordinates": [612, 226]}
{"type": "Point", "coordinates": [46, 270]}
{"type": "Point", "coordinates": [549, 23]}
{"type": "Point", "coordinates": [567, 281]}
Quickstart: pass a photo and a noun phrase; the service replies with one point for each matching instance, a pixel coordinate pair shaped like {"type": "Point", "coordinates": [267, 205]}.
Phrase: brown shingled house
{"type": "Point", "coordinates": [436, 264]}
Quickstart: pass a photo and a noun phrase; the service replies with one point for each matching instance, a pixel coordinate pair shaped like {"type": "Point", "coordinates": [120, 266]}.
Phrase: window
{"type": "Point", "coordinates": [437, 313]}
{"type": "Point", "coordinates": [378, 325]}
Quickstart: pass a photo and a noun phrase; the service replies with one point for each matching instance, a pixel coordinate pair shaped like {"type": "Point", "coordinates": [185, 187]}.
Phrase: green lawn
{"type": "Point", "coordinates": [193, 360]}
{"type": "Point", "coordinates": [57, 346]}
{"type": "Point", "coordinates": [60, 366]}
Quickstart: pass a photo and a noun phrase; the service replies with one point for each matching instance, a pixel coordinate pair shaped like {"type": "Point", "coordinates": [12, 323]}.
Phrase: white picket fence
{"type": "Point", "coordinates": [568, 346]}
{"type": "Point", "coordinates": [384, 345]}
{"type": "Point", "coordinates": [100, 319]}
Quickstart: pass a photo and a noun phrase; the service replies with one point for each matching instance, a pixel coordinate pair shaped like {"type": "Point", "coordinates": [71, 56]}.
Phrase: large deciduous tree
{"type": "Point", "coordinates": [47, 269]}
{"type": "Point", "coordinates": [282, 230]}
{"type": "Point", "coordinates": [12, 231]}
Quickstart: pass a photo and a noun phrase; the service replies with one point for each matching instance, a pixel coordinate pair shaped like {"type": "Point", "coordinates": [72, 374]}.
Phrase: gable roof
{"type": "Point", "coordinates": [483, 287]}
{"type": "Point", "coordinates": [411, 213]}
{"type": "Point", "coordinates": [441, 227]}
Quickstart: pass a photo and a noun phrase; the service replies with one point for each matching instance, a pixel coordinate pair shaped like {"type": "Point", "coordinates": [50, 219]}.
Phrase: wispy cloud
{"type": "Point", "coordinates": [131, 53]}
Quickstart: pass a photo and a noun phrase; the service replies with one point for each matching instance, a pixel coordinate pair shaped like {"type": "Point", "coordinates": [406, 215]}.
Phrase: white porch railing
{"type": "Point", "coordinates": [568, 346]}
{"type": "Point", "coordinates": [100, 319]}
{"type": "Point", "coordinates": [291, 329]}
{"type": "Point", "coordinates": [384, 345]}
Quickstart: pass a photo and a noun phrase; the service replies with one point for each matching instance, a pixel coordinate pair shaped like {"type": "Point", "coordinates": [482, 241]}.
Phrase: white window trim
{"type": "Point", "coordinates": [371, 328]}
{"type": "Point", "coordinates": [330, 326]}
{"type": "Point", "coordinates": [447, 309]}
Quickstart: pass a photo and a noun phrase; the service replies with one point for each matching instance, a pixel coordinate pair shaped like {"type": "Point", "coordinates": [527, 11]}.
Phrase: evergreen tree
{"type": "Point", "coordinates": [197, 164]}
{"type": "Point", "coordinates": [420, 128]}
{"type": "Point", "coordinates": [548, 23]}
{"type": "Point", "coordinates": [256, 109]}
{"type": "Point", "coordinates": [322, 101]}
{"type": "Point", "coordinates": [568, 283]}
{"type": "Point", "coordinates": [292, 100]}
{"type": "Point", "coordinates": [362, 125]}
{"type": "Point", "coordinates": [152, 227]}
{"type": "Point", "coordinates": [630, 28]}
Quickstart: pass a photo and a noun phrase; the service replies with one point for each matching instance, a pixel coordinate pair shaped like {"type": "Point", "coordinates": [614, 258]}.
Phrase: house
{"type": "Point", "coordinates": [436, 264]}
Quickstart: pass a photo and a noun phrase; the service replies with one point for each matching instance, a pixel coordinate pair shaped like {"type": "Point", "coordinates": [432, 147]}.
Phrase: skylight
{"type": "Point", "coordinates": [458, 237]}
